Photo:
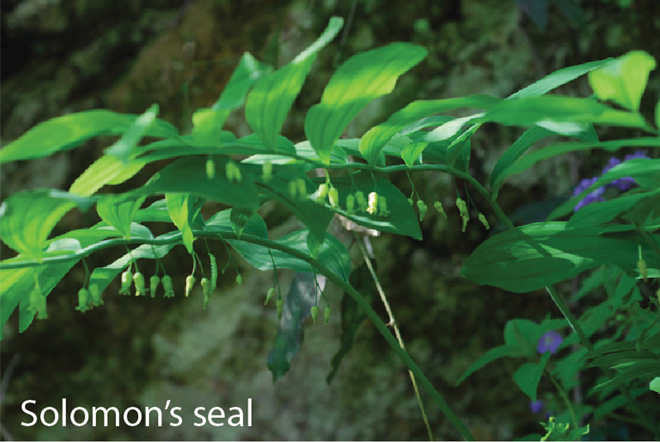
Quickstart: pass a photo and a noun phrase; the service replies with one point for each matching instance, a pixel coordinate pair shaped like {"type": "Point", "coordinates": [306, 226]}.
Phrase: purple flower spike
{"type": "Point", "coordinates": [596, 195]}
{"type": "Point", "coordinates": [536, 407]}
{"type": "Point", "coordinates": [549, 342]}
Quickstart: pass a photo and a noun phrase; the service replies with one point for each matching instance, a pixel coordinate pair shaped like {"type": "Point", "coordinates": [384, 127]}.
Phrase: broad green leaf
{"type": "Point", "coordinates": [302, 296]}
{"type": "Point", "coordinates": [358, 81]}
{"type": "Point", "coordinates": [332, 254]}
{"type": "Point", "coordinates": [106, 170]}
{"type": "Point", "coordinates": [102, 276]}
{"type": "Point", "coordinates": [207, 125]}
{"type": "Point", "coordinates": [629, 371]}
{"type": "Point", "coordinates": [188, 175]}
{"type": "Point", "coordinates": [119, 211]}
{"type": "Point", "coordinates": [557, 109]}
{"type": "Point", "coordinates": [528, 376]}
{"type": "Point", "coordinates": [183, 210]}
{"type": "Point", "coordinates": [606, 211]}
{"type": "Point", "coordinates": [537, 255]}
{"type": "Point", "coordinates": [502, 351]}
{"type": "Point", "coordinates": [655, 385]}
{"type": "Point", "coordinates": [532, 158]}
{"type": "Point", "coordinates": [377, 137]}
{"type": "Point", "coordinates": [401, 219]}
{"type": "Point", "coordinates": [248, 71]}
{"type": "Point", "coordinates": [221, 223]}
{"type": "Point", "coordinates": [567, 369]}
{"type": "Point", "coordinates": [239, 219]}
{"type": "Point", "coordinates": [27, 218]}
{"type": "Point", "coordinates": [412, 152]}
{"type": "Point", "coordinates": [124, 147]}
{"type": "Point", "coordinates": [315, 216]}
{"type": "Point", "coordinates": [71, 130]}
{"type": "Point", "coordinates": [624, 80]}
{"type": "Point", "coordinates": [526, 140]}
{"type": "Point", "coordinates": [273, 95]}
{"type": "Point", "coordinates": [559, 78]}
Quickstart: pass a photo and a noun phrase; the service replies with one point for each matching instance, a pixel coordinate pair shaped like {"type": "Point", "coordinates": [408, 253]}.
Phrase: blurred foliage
{"type": "Point", "coordinates": [60, 56]}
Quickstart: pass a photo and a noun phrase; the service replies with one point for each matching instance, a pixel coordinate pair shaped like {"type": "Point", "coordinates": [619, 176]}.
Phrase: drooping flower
{"type": "Point", "coordinates": [536, 406]}
{"type": "Point", "coordinates": [549, 342]}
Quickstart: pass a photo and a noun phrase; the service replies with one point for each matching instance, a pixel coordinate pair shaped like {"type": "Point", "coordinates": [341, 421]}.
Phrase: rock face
{"type": "Point", "coordinates": [60, 56]}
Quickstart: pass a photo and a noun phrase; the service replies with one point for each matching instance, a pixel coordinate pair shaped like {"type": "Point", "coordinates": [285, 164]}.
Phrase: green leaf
{"type": "Point", "coordinates": [332, 254]}
{"type": "Point", "coordinates": [124, 147]}
{"type": "Point", "coordinates": [27, 218]}
{"type": "Point", "coordinates": [106, 170]}
{"type": "Point", "coordinates": [537, 255]}
{"type": "Point", "coordinates": [221, 222]}
{"type": "Point", "coordinates": [302, 296]}
{"type": "Point", "coordinates": [119, 211]}
{"type": "Point", "coordinates": [358, 81]}
{"type": "Point", "coordinates": [532, 158]}
{"type": "Point", "coordinates": [559, 78]}
{"type": "Point", "coordinates": [556, 108]}
{"type": "Point", "coordinates": [373, 142]}
{"type": "Point", "coordinates": [528, 376]}
{"type": "Point", "coordinates": [502, 351]}
{"type": "Point", "coordinates": [239, 219]}
{"type": "Point", "coordinates": [655, 385]}
{"type": "Point", "coordinates": [69, 131]}
{"type": "Point", "coordinates": [273, 95]}
{"type": "Point", "coordinates": [248, 71]}
{"type": "Point", "coordinates": [207, 126]}
{"type": "Point", "coordinates": [401, 219]}
{"type": "Point", "coordinates": [412, 152]}
{"type": "Point", "coordinates": [624, 80]}
{"type": "Point", "coordinates": [606, 211]}
{"type": "Point", "coordinates": [188, 175]}
{"type": "Point", "coordinates": [183, 209]}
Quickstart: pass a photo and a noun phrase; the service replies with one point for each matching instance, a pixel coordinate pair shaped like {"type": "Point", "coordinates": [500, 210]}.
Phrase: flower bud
{"type": "Point", "coordinates": [421, 206]}
{"type": "Point", "coordinates": [190, 282]}
{"type": "Point", "coordinates": [462, 209]}
{"type": "Point", "coordinates": [293, 189]}
{"type": "Point", "coordinates": [643, 269]}
{"type": "Point", "coordinates": [207, 288]}
{"type": "Point", "coordinates": [279, 304]}
{"type": "Point", "coordinates": [484, 221]}
{"type": "Point", "coordinates": [83, 300]}
{"type": "Point", "coordinates": [126, 281]}
{"type": "Point", "coordinates": [233, 172]}
{"type": "Point", "coordinates": [154, 282]}
{"type": "Point", "coordinates": [210, 169]}
{"type": "Point", "coordinates": [269, 295]}
{"type": "Point", "coordinates": [373, 203]}
{"type": "Point", "coordinates": [441, 210]}
{"type": "Point", "coordinates": [138, 279]}
{"type": "Point", "coordinates": [321, 193]}
{"type": "Point", "coordinates": [333, 197]}
{"type": "Point", "coordinates": [95, 295]}
{"type": "Point", "coordinates": [382, 206]}
{"type": "Point", "coordinates": [326, 315]}
{"type": "Point", "coordinates": [315, 313]}
{"type": "Point", "coordinates": [411, 201]}
{"type": "Point", "coordinates": [37, 304]}
{"type": "Point", "coordinates": [239, 279]}
{"type": "Point", "coordinates": [302, 187]}
{"type": "Point", "coordinates": [267, 171]}
{"type": "Point", "coordinates": [350, 204]}
{"type": "Point", "coordinates": [361, 200]}
{"type": "Point", "coordinates": [167, 286]}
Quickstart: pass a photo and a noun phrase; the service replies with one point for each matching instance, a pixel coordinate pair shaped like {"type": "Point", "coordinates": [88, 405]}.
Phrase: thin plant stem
{"type": "Point", "coordinates": [392, 322]}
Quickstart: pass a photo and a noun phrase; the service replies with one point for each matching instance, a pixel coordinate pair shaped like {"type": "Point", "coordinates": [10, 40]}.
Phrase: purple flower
{"type": "Point", "coordinates": [536, 407]}
{"type": "Point", "coordinates": [549, 342]}
{"type": "Point", "coordinates": [623, 184]}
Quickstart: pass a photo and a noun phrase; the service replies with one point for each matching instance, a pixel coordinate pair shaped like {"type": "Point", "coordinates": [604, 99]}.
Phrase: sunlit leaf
{"type": "Point", "coordinates": [106, 170]}
{"type": "Point", "coordinates": [27, 218]}
{"type": "Point", "coordinates": [183, 210]}
{"type": "Point", "coordinates": [624, 80]}
{"type": "Point", "coordinates": [71, 130]}
{"type": "Point", "coordinates": [358, 81]}
{"type": "Point", "coordinates": [119, 211]}
{"type": "Point", "coordinates": [273, 95]}
{"type": "Point", "coordinates": [123, 148]}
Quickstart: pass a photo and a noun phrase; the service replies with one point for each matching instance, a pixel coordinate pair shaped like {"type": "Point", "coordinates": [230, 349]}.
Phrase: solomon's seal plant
{"type": "Point", "coordinates": [611, 239]}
